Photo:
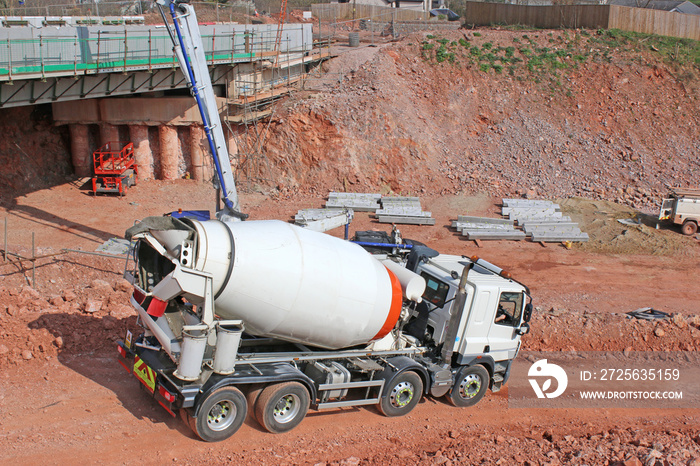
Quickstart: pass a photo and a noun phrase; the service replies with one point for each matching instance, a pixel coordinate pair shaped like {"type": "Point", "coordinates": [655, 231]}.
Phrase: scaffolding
{"type": "Point", "coordinates": [255, 89]}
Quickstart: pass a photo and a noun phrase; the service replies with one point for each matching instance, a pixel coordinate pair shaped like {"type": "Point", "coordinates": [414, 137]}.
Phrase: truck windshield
{"type": "Point", "coordinates": [435, 290]}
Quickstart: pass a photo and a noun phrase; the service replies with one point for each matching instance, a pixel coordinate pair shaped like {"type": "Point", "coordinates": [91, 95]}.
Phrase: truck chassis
{"type": "Point", "coordinates": [278, 382]}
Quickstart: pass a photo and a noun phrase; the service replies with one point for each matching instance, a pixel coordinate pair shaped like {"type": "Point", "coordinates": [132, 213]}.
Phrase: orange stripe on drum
{"type": "Point", "coordinates": [395, 308]}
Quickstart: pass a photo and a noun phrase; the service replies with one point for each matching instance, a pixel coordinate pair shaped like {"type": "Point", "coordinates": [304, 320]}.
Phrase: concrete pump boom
{"type": "Point", "coordinates": [189, 49]}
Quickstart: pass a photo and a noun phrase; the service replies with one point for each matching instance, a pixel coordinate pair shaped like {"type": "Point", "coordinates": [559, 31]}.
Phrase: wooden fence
{"type": "Point", "coordinates": [586, 16]}
{"type": "Point", "coordinates": [643, 20]}
{"type": "Point", "coordinates": [548, 17]}
{"type": "Point", "coordinates": [658, 22]}
{"type": "Point", "coordinates": [336, 12]}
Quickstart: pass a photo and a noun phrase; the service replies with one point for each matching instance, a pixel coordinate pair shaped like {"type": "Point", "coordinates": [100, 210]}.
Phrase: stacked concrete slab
{"type": "Point", "coordinates": [483, 228]}
{"type": "Point", "coordinates": [405, 210]}
{"type": "Point", "coordinates": [323, 219]}
{"type": "Point", "coordinates": [542, 220]}
{"type": "Point", "coordinates": [359, 202]}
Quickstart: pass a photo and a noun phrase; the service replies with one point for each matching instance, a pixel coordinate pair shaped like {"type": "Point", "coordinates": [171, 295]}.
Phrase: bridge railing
{"type": "Point", "coordinates": [119, 50]}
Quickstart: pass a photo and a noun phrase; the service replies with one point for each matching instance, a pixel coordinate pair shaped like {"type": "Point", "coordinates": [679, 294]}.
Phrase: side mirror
{"type": "Point", "coordinates": [524, 328]}
{"type": "Point", "coordinates": [528, 312]}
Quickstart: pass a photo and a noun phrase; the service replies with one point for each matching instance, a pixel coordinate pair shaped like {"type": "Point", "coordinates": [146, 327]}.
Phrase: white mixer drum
{"type": "Point", "coordinates": [298, 285]}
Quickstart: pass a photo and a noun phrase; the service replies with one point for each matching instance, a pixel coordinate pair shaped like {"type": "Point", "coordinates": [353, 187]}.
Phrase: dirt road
{"type": "Point", "coordinates": [64, 398]}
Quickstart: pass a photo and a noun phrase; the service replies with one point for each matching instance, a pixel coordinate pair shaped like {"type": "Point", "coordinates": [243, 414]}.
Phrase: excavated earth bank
{"type": "Point", "coordinates": [613, 128]}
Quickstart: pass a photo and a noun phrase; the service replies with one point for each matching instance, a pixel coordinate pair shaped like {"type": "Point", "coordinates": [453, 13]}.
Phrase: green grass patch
{"type": "Point", "coordinates": [547, 57]}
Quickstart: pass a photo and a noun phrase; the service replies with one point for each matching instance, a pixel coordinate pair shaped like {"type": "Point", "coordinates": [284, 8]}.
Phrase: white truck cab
{"type": "Point", "coordinates": [491, 321]}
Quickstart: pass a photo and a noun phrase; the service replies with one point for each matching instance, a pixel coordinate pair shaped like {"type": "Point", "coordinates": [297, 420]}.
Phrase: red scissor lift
{"type": "Point", "coordinates": [115, 168]}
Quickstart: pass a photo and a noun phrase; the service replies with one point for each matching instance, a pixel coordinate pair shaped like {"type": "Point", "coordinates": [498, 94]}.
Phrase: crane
{"type": "Point", "coordinates": [189, 49]}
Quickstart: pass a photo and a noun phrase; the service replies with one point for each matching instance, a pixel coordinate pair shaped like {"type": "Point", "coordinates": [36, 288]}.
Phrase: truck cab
{"type": "Point", "coordinates": [490, 322]}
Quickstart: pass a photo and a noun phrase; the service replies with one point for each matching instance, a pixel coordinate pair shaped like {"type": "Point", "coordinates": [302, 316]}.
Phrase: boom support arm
{"type": "Point", "coordinates": [189, 49]}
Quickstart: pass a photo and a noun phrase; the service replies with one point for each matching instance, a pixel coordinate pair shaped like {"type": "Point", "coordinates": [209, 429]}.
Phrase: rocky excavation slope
{"type": "Point", "coordinates": [604, 115]}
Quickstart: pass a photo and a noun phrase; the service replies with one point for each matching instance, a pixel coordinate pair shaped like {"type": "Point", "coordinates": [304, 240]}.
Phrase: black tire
{"type": "Point", "coordinates": [470, 386]}
{"type": "Point", "coordinates": [689, 228]}
{"type": "Point", "coordinates": [281, 407]}
{"type": "Point", "coordinates": [252, 396]}
{"type": "Point", "coordinates": [187, 418]}
{"type": "Point", "coordinates": [220, 414]}
{"type": "Point", "coordinates": [401, 394]}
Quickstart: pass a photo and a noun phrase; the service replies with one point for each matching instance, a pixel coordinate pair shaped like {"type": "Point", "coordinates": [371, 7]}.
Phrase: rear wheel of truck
{"type": "Point", "coordinates": [252, 395]}
{"type": "Point", "coordinates": [281, 407]}
{"type": "Point", "coordinates": [220, 414]}
{"type": "Point", "coordinates": [402, 394]}
{"type": "Point", "coordinates": [470, 386]}
{"type": "Point", "coordinates": [689, 228]}
{"type": "Point", "coordinates": [187, 419]}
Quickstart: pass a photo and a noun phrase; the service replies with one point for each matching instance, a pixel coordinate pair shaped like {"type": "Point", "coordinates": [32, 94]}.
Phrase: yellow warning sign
{"type": "Point", "coordinates": [145, 374]}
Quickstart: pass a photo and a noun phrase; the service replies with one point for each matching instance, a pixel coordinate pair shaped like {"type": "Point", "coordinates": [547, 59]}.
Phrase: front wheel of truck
{"type": "Point", "coordinates": [470, 386]}
{"type": "Point", "coordinates": [220, 414]}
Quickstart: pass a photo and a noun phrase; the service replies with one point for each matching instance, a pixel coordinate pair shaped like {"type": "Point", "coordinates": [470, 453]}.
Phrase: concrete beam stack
{"type": "Point", "coordinates": [360, 202]}
{"type": "Point", "coordinates": [405, 210]}
{"type": "Point", "coordinates": [554, 232]}
{"type": "Point", "coordinates": [542, 220]}
{"type": "Point", "coordinates": [484, 228]}
{"type": "Point", "coordinates": [522, 210]}
{"type": "Point", "coordinates": [323, 219]}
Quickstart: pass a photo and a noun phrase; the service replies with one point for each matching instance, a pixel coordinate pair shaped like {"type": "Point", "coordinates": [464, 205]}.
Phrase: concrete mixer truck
{"type": "Point", "coordinates": [268, 318]}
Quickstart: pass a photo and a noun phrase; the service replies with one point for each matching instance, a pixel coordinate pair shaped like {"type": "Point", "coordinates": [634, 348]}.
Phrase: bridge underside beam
{"type": "Point", "coordinates": [61, 89]}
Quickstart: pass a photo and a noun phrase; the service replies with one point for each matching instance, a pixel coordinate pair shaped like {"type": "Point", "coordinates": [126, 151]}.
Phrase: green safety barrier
{"type": "Point", "coordinates": [56, 55]}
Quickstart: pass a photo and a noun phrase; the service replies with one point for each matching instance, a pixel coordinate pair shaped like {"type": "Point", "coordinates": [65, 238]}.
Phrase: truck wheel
{"type": "Point", "coordinates": [252, 396]}
{"type": "Point", "coordinates": [281, 407]}
{"type": "Point", "coordinates": [187, 419]}
{"type": "Point", "coordinates": [220, 414]}
{"type": "Point", "coordinates": [470, 386]}
{"type": "Point", "coordinates": [689, 228]}
{"type": "Point", "coordinates": [402, 394]}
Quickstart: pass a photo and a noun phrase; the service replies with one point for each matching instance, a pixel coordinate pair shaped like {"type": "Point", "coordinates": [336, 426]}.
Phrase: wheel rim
{"type": "Point", "coordinates": [221, 415]}
{"type": "Point", "coordinates": [470, 386]}
{"type": "Point", "coordinates": [401, 395]}
{"type": "Point", "coordinates": [287, 408]}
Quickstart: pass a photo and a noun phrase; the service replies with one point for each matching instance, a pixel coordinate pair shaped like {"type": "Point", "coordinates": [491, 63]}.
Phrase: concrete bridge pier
{"type": "Point", "coordinates": [197, 148]}
{"type": "Point", "coordinates": [142, 151]}
{"type": "Point", "coordinates": [170, 152]}
{"type": "Point", "coordinates": [178, 145]}
{"type": "Point", "coordinates": [108, 133]}
{"type": "Point", "coordinates": [81, 156]}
